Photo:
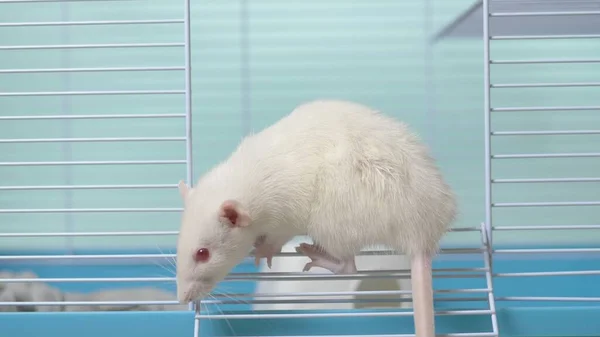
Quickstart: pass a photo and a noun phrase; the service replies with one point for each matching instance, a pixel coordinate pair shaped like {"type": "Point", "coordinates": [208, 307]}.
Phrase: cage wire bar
{"type": "Point", "coordinates": [186, 93]}
{"type": "Point", "coordinates": [491, 133]}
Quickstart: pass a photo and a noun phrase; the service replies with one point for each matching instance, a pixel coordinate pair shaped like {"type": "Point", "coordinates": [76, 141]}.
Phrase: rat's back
{"type": "Point", "coordinates": [372, 181]}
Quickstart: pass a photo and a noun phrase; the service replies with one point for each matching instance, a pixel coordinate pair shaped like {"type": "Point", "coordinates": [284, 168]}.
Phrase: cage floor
{"type": "Point", "coordinates": [515, 318]}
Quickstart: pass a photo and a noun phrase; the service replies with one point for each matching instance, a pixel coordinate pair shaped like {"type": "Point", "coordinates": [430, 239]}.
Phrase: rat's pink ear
{"type": "Point", "coordinates": [232, 213]}
{"type": "Point", "coordinates": [184, 190]}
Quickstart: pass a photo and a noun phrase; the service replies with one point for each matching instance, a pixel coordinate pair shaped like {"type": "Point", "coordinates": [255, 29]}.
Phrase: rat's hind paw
{"type": "Point", "coordinates": [262, 248]}
{"type": "Point", "coordinates": [320, 258]}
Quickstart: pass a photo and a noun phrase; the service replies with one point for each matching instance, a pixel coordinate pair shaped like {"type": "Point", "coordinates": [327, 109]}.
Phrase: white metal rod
{"type": "Point", "coordinates": [474, 334]}
{"type": "Point", "coordinates": [82, 234]}
{"type": "Point", "coordinates": [89, 23]}
{"type": "Point", "coordinates": [546, 85]}
{"type": "Point", "coordinates": [548, 108]}
{"type": "Point", "coordinates": [552, 299]}
{"type": "Point", "coordinates": [550, 273]}
{"type": "Point", "coordinates": [42, 117]}
{"type": "Point", "coordinates": [91, 46]}
{"type": "Point", "coordinates": [545, 204]}
{"type": "Point", "coordinates": [90, 303]}
{"type": "Point", "coordinates": [93, 140]}
{"type": "Point", "coordinates": [548, 250]}
{"type": "Point", "coordinates": [545, 133]}
{"type": "Point", "coordinates": [87, 279]}
{"type": "Point", "coordinates": [465, 229]}
{"type": "Point", "coordinates": [87, 210]}
{"type": "Point", "coordinates": [511, 14]}
{"type": "Point", "coordinates": [87, 257]}
{"type": "Point", "coordinates": [545, 61]}
{"type": "Point", "coordinates": [546, 155]}
{"type": "Point", "coordinates": [188, 94]}
{"type": "Point", "coordinates": [93, 93]}
{"type": "Point", "coordinates": [378, 272]}
{"type": "Point", "coordinates": [487, 261]}
{"type": "Point", "coordinates": [336, 300]}
{"type": "Point", "coordinates": [545, 37]}
{"type": "Point", "coordinates": [487, 124]}
{"type": "Point", "coordinates": [549, 227]}
{"type": "Point", "coordinates": [107, 162]}
{"type": "Point", "coordinates": [171, 256]}
{"type": "Point", "coordinates": [547, 180]}
{"type": "Point", "coordinates": [84, 187]}
{"type": "Point", "coordinates": [80, 70]}
{"type": "Point", "coordinates": [36, 1]}
{"type": "Point", "coordinates": [343, 314]}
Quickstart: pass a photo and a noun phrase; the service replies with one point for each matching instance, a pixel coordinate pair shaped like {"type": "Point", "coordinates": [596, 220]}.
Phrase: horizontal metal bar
{"type": "Point", "coordinates": [550, 273]}
{"type": "Point", "coordinates": [92, 46]}
{"type": "Point", "coordinates": [37, 1]}
{"type": "Point", "coordinates": [81, 70]}
{"type": "Point", "coordinates": [92, 93]}
{"type": "Point", "coordinates": [511, 14]}
{"type": "Point", "coordinates": [545, 85]}
{"type": "Point", "coordinates": [84, 187]}
{"type": "Point", "coordinates": [87, 279]}
{"type": "Point", "coordinates": [17, 118]}
{"type": "Point", "coordinates": [547, 227]}
{"type": "Point", "coordinates": [544, 204]}
{"type": "Point", "coordinates": [88, 210]}
{"type": "Point", "coordinates": [171, 256]}
{"type": "Point", "coordinates": [87, 257]}
{"type": "Point", "coordinates": [547, 108]}
{"type": "Point", "coordinates": [548, 250]}
{"type": "Point", "coordinates": [545, 37]}
{"type": "Point", "coordinates": [349, 293]}
{"type": "Point", "coordinates": [552, 299]}
{"type": "Point", "coordinates": [282, 276]}
{"type": "Point", "coordinates": [89, 303]}
{"type": "Point", "coordinates": [93, 140]}
{"type": "Point", "coordinates": [466, 334]}
{"type": "Point", "coordinates": [342, 314]}
{"type": "Point", "coordinates": [545, 133]}
{"type": "Point", "coordinates": [83, 234]}
{"type": "Point", "coordinates": [546, 155]}
{"type": "Point", "coordinates": [107, 162]}
{"type": "Point", "coordinates": [90, 23]}
{"type": "Point", "coordinates": [465, 229]}
{"type": "Point", "coordinates": [338, 300]}
{"type": "Point", "coordinates": [547, 180]}
{"type": "Point", "coordinates": [544, 61]}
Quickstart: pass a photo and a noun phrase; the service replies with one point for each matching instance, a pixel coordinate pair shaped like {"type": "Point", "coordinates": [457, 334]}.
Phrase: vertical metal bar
{"type": "Point", "coordinates": [188, 106]}
{"type": "Point", "coordinates": [487, 122]}
{"type": "Point", "coordinates": [245, 68]}
{"type": "Point", "coordinates": [487, 258]}
{"type": "Point", "coordinates": [429, 75]}
{"type": "Point", "coordinates": [188, 93]}
{"type": "Point", "coordinates": [65, 59]}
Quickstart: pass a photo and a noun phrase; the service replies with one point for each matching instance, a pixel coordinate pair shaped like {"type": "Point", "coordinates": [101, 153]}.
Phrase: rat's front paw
{"type": "Point", "coordinates": [263, 248]}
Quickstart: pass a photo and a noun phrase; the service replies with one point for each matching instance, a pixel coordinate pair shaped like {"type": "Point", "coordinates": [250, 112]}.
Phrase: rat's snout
{"type": "Point", "coordinates": [187, 295]}
{"type": "Point", "coordinates": [192, 291]}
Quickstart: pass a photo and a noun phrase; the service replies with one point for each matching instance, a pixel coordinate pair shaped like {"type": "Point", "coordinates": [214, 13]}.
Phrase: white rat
{"type": "Point", "coordinates": [343, 174]}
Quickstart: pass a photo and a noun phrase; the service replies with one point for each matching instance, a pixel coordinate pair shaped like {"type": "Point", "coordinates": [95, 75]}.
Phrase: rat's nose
{"type": "Point", "coordinates": [185, 297]}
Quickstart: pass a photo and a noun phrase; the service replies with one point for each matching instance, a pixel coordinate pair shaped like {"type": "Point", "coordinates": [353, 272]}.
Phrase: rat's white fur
{"type": "Point", "coordinates": [337, 171]}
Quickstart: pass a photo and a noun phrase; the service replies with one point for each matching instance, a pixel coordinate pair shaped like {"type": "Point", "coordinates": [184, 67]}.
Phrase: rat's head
{"type": "Point", "coordinates": [213, 238]}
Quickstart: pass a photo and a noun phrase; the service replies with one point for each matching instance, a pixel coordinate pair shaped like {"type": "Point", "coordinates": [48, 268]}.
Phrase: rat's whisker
{"type": "Point", "coordinates": [222, 313]}
{"type": "Point", "coordinates": [169, 259]}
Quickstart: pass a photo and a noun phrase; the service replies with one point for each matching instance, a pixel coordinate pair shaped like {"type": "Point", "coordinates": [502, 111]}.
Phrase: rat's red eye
{"type": "Point", "coordinates": [202, 255]}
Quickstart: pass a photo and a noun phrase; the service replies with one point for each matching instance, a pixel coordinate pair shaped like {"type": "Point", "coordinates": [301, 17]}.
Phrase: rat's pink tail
{"type": "Point", "coordinates": [422, 288]}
